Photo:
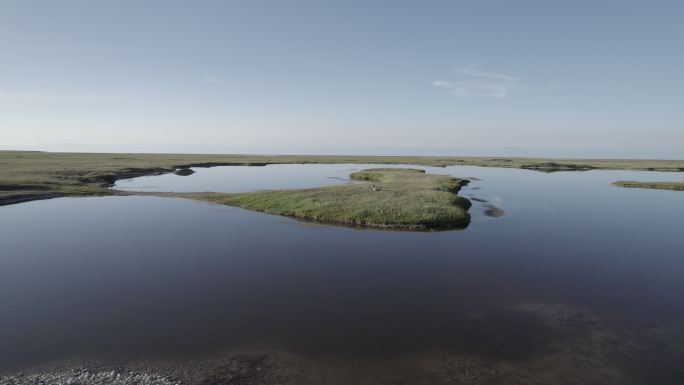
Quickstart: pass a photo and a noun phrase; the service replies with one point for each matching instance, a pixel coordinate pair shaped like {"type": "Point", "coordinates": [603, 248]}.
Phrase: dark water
{"type": "Point", "coordinates": [132, 275]}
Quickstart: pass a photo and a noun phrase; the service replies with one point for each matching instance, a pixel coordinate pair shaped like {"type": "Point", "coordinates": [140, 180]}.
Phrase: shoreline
{"type": "Point", "coordinates": [672, 186]}
{"type": "Point", "coordinates": [593, 333]}
{"type": "Point", "coordinates": [26, 176]}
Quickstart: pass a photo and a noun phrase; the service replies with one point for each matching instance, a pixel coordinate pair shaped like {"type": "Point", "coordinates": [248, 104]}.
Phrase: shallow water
{"type": "Point", "coordinates": [152, 275]}
{"type": "Point", "coordinates": [245, 178]}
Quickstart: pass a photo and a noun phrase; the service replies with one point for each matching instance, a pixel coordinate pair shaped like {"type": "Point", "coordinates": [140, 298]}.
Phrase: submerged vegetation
{"type": "Point", "coordinates": [493, 211]}
{"type": "Point", "coordinates": [676, 186]}
{"type": "Point", "coordinates": [392, 198]}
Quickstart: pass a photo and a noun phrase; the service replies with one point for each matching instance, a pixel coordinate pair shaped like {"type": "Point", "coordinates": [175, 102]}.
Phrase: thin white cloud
{"type": "Point", "coordinates": [455, 88]}
{"type": "Point", "coordinates": [443, 84]}
{"type": "Point", "coordinates": [496, 90]}
{"type": "Point", "coordinates": [461, 92]}
{"type": "Point", "coordinates": [472, 70]}
{"type": "Point", "coordinates": [476, 82]}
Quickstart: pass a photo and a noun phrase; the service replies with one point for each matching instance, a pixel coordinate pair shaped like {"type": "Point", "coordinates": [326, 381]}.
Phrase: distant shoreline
{"type": "Point", "coordinates": [674, 186]}
{"type": "Point", "coordinates": [33, 175]}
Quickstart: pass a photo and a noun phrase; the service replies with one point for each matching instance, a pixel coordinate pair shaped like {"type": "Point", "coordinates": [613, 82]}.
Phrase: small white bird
{"type": "Point", "coordinates": [376, 188]}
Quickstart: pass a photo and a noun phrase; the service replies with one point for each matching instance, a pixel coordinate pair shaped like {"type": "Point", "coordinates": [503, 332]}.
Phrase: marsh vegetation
{"type": "Point", "coordinates": [392, 198]}
{"type": "Point", "coordinates": [31, 175]}
{"type": "Point", "coordinates": [675, 186]}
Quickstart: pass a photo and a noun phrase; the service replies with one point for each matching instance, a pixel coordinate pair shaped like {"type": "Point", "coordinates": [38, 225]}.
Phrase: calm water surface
{"type": "Point", "coordinates": [242, 178]}
{"type": "Point", "coordinates": [143, 274]}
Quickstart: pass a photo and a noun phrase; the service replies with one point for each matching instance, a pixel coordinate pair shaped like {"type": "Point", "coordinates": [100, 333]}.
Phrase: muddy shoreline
{"type": "Point", "coordinates": [586, 348]}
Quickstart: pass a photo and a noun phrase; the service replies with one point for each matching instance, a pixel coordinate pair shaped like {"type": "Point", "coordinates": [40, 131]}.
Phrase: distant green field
{"type": "Point", "coordinates": [30, 175]}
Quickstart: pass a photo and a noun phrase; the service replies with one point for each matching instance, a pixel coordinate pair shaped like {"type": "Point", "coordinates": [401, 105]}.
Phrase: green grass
{"type": "Point", "coordinates": [676, 186]}
{"type": "Point", "coordinates": [26, 175]}
{"type": "Point", "coordinates": [406, 199]}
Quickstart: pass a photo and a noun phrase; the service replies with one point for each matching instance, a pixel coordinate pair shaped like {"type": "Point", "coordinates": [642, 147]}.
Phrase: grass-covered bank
{"type": "Point", "coordinates": [406, 199]}
{"type": "Point", "coordinates": [676, 186]}
{"type": "Point", "coordinates": [27, 175]}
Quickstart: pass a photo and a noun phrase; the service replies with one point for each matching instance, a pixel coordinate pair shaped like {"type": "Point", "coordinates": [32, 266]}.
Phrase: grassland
{"type": "Point", "coordinates": [29, 175]}
{"type": "Point", "coordinates": [406, 199]}
{"type": "Point", "coordinates": [676, 186]}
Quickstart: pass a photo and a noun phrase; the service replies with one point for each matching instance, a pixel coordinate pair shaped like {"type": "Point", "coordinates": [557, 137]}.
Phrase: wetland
{"type": "Point", "coordinates": [580, 282]}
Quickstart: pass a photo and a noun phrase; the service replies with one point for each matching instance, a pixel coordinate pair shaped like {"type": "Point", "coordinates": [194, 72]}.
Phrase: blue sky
{"type": "Point", "coordinates": [549, 78]}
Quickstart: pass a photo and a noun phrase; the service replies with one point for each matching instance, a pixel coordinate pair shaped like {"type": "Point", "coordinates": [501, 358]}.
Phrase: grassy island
{"type": "Point", "coordinates": [391, 198]}
{"type": "Point", "coordinates": [676, 186]}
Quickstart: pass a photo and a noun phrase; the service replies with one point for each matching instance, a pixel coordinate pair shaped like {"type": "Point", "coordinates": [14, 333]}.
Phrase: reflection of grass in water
{"type": "Point", "coordinates": [493, 211]}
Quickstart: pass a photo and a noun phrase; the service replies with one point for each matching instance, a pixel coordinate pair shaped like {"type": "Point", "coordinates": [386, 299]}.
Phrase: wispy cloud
{"type": "Point", "coordinates": [473, 81]}
{"type": "Point", "coordinates": [474, 71]}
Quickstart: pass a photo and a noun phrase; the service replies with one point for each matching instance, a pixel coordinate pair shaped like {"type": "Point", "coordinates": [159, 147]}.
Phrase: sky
{"type": "Point", "coordinates": [513, 78]}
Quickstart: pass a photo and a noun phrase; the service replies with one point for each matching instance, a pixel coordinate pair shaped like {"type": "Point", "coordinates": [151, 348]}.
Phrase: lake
{"type": "Point", "coordinates": [573, 275]}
